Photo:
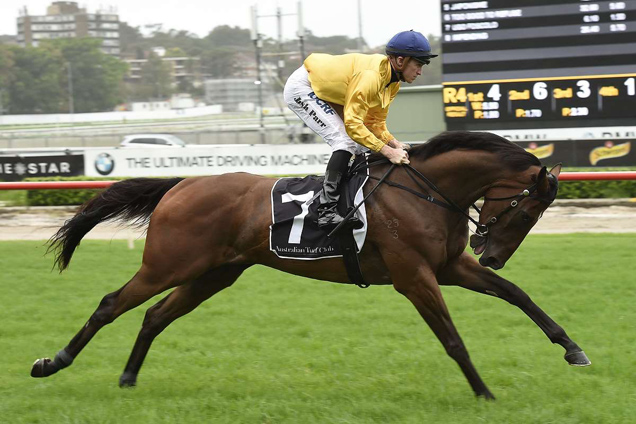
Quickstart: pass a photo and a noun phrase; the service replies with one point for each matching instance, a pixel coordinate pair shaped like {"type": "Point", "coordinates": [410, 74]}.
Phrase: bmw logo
{"type": "Point", "coordinates": [104, 164]}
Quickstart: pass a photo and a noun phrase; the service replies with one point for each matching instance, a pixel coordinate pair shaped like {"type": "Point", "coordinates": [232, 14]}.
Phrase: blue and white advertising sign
{"type": "Point", "coordinates": [261, 159]}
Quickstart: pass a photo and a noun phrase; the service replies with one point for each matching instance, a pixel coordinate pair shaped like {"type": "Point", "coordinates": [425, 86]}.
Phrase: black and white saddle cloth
{"type": "Point", "coordinates": [294, 233]}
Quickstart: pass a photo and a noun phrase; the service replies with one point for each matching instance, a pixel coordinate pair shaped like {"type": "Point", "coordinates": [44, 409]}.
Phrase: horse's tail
{"type": "Point", "coordinates": [133, 199]}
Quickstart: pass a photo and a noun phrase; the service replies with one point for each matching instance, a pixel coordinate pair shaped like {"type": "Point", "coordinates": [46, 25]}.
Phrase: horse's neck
{"type": "Point", "coordinates": [463, 176]}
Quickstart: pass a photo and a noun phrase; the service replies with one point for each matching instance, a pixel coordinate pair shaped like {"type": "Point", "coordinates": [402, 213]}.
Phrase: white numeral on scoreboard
{"type": "Point", "coordinates": [299, 220]}
{"type": "Point", "coordinates": [494, 92]}
{"type": "Point", "coordinates": [631, 86]}
{"type": "Point", "coordinates": [584, 89]}
{"type": "Point", "coordinates": [539, 91]}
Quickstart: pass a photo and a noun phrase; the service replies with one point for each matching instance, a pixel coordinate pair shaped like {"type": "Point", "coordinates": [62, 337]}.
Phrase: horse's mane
{"type": "Point", "coordinates": [510, 154]}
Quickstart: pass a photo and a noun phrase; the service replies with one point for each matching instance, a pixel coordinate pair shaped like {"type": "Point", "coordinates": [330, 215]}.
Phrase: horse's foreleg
{"type": "Point", "coordinates": [466, 272]}
{"type": "Point", "coordinates": [140, 288]}
{"type": "Point", "coordinates": [421, 288]}
{"type": "Point", "coordinates": [181, 301]}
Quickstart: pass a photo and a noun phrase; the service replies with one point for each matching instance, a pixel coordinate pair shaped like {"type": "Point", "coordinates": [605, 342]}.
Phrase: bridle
{"type": "Point", "coordinates": [481, 230]}
{"type": "Point", "coordinates": [527, 193]}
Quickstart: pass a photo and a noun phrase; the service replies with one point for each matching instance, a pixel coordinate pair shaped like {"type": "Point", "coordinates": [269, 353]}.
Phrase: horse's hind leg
{"type": "Point", "coordinates": [140, 288]}
{"type": "Point", "coordinates": [466, 272]}
{"type": "Point", "coordinates": [181, 301]}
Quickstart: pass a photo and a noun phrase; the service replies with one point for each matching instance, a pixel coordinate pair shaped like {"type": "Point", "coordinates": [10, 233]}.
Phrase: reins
{"type": "Point", "coordinates": [481, 229]}
{"type": "Point", "coordinates": [411, 172]}
{"type": "Point", "coordinates": [449, 205]}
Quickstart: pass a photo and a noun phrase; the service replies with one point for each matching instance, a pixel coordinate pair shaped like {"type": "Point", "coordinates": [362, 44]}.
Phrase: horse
{"type": "Point", "coordinates": [204, 232]}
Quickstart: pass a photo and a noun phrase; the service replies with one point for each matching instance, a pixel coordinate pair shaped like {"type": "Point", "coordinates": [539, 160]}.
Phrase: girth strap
{"type": "Point", "coordinates": [350, 258]}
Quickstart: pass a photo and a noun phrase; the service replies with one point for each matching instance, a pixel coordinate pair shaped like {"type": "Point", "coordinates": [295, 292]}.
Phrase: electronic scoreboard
{"type": "Point", "coordinates": [527, 64]}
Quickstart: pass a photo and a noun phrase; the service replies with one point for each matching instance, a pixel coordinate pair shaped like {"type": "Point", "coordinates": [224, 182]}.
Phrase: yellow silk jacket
{"type": "Point", "coordinates": [359, 83]}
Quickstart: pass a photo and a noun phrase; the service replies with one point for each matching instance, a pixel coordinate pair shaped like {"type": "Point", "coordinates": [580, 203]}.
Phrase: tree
{"type": "Point", "coordinates": [221, 51]}
{"type": "Point", "coordinates": [7, 69]}
{"type": "Point", "coordinates": [37, 82]}
{"type": "Point", "coordinates": [336, 44]}
{"type": "Point", "coordinates": [96, 77]}
{"type": "Point", "coordinates": [220, 62]}
{"type": "Point", "coordinates": [175, 52]}
{"type": "Point", "coordinates": [225, 36]}
{"type": "Point", "coordinates": [131, 42]}
{"type": "Point", "coordinates": [38, 77]}
{"type": "Point", "coordinates": [155, 79]}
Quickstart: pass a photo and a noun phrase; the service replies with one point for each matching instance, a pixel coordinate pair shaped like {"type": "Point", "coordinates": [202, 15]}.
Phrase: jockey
{"type": "Point", "coordinates": [345, 99]}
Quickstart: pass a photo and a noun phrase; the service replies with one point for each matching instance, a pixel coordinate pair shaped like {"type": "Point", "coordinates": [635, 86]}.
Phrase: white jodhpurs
{"type": "Point", "coordinates": [317, 113]}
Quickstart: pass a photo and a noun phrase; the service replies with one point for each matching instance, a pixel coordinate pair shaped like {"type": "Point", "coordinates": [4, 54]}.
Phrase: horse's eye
{"type": "Point", "coordinates": [525, 217]}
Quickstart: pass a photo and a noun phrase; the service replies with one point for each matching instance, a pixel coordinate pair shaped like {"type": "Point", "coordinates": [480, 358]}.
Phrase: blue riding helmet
{"type": "Point", "coordinates": [410, 44]}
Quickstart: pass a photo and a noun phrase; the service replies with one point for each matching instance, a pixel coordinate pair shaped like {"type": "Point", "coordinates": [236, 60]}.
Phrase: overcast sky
{"type": "Point", "coordinates": [380, 19]}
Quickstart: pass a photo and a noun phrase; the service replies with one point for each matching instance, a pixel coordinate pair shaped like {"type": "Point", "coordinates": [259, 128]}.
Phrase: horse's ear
{"type": "Point", "coordinates": [543, 185]}
{"type": "Point", "coordinates": [556, 170]}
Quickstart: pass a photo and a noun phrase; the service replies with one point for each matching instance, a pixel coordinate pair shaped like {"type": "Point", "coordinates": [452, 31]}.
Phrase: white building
{"type": "Point", "coordinates": [235, 93]}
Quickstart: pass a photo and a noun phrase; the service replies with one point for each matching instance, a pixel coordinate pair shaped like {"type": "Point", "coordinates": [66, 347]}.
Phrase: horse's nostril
{"type": "Point", "coordinates": [491, 262]}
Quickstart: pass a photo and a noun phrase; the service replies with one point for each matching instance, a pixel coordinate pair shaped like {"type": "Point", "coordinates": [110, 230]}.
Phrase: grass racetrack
{"type": "Point", "coordinates": [276, 348]}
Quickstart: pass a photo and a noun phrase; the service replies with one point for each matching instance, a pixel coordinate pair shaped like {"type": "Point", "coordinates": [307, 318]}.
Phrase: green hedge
{"type": "Point", "coordinates": [596, 189]}
{"type": "Point", "coordinates": [62, 197]}
{"type": "Point", "coordinates": [567, 189]}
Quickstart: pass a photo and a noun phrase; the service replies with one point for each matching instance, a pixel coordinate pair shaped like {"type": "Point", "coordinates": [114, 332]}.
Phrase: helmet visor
{"type": "Point", "coordinates": [422, 57]}
{"type": "Point", "coordinates": [424, 60]}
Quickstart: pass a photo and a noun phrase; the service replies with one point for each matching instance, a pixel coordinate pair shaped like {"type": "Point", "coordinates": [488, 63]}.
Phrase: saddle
{"type": "Point", "coordinates": [294, 233]}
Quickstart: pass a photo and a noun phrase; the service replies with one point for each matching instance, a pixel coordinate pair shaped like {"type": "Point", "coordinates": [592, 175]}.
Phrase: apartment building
{"type": "Point", "coordinates": [65, 19]}
{"type": "Point", "coordinates": [181, 68]}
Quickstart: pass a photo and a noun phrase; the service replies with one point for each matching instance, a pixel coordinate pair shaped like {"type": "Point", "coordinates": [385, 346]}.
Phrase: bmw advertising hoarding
{"type": "Point", "coordinates": [207, 160]}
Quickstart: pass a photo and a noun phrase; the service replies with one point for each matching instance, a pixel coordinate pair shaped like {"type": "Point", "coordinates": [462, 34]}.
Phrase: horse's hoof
{"type": "Point", "coordinates": [486, 395]}
{"type": "Point", "coordinates": [127, 380]}
{"type": "Point", "coordinates": [577, 359]}
{"type": "Point", "coordinates": [43, 368]}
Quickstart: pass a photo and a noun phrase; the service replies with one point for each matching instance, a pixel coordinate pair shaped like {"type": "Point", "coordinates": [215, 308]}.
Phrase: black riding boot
{"type": "Point", "coordinates": [328, 216]}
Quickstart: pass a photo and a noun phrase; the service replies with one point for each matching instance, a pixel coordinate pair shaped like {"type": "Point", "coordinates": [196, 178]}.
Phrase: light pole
{"type": "Point", "coordinates": [70, 88]}
{"type": "Point", "coordinates": [258, 44]}
{"type": "Point", "coordinates": [360, 42]}
{"type": "Point", "coordinates": [281, 63]}
{"type": "Point", "coordinates": [301, 32]}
